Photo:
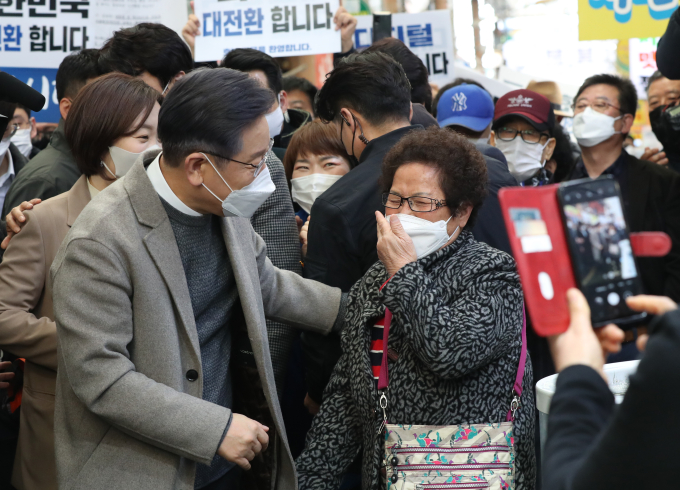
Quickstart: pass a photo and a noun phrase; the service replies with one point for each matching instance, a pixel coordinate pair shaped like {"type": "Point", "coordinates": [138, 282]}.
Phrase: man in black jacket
{"type": "Point", "coordinates": [590, 445]}
{"type": "Point", "coordinates": [283, 120]}
{"type": "Point", "coordinates": [367, 98]}
{"type": "Point", "coordinates": [603, 114]}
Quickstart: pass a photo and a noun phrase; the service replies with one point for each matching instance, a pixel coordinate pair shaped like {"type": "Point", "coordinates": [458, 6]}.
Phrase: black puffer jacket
{"type": "Point", "coordinates": [456, 328]}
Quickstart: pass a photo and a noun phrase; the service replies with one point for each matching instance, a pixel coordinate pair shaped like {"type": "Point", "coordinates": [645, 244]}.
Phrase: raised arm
{"type": "Point", "coordinates": [456, 336]}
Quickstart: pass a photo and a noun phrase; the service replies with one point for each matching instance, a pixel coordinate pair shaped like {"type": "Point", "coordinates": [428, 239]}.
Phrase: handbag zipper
{"type": "Point", "coordinates": [452, 467]}
{"type": "Point", "coordinates": [454, 486]}
{"type": "Point", "coordinates": [434, 449]}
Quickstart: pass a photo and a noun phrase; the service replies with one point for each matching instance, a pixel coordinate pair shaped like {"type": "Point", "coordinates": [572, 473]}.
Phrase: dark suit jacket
{"type": "Point", "coordinates": [490, 227]}
{"type": "Point", "coordinates": [653, 204]}
{"type": "Point", "coordinates": [342, 245]}
{"type": "Point", "coordinates": [592, 446]}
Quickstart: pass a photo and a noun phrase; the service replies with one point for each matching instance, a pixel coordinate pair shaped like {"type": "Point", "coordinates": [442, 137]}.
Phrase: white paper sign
{"type": "Point", "coordinates": [642, 63]}
{"type": "Point", "coordinates": [40, 34]}
{"type": "Point", "coordinates": [275, 27]}
{"type": "Point", "coordinates": [428, 34]}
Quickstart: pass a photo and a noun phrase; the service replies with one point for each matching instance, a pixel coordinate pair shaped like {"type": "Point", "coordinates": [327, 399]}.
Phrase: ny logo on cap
{"type": "Point", "coordinates": [520, 101]}
{"type": "Point", "coordinates": [459, 102]}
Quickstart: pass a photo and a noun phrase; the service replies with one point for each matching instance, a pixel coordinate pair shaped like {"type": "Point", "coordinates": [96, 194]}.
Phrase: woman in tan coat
{"type": "Point", "coordinates": [111, 122]}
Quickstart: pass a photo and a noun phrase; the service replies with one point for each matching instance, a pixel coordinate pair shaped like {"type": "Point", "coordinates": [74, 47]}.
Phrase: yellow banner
{"type": "Point", "coordinates": [623, 19]}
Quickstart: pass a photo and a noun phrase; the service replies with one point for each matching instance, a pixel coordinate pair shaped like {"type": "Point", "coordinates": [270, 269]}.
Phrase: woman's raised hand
{"type": "Point", "coordinates": [395, 247]}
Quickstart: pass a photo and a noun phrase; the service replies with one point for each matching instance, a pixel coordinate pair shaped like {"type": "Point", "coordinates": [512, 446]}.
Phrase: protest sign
{"type": "Point", "coordinates": [278, 28]}
{"type": "Point", "coordinates": [36, 35]}
{"type": "Point", "coordinates": [428, 34]}
{"type": "Point", "coordinates": [617, 19]}
{"type": "Point", "coordinates": [642, 63]}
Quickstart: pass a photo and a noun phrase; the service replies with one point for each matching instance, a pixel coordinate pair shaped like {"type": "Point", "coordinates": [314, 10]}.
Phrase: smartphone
{"type": "Point", "coordinates": [382, 25]}
{"type": "Point", "coordinates": [599, 245]}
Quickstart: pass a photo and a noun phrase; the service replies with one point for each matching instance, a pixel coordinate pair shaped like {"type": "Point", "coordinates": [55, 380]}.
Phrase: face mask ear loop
{"type": "Point", "coordinates": [109, 170]}
{"type": "Point", "coordinates": [219, 174]}
{"type": "Point", "coordinates": [211, 192]}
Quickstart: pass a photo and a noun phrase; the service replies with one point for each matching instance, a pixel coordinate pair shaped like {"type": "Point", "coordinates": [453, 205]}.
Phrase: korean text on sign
{"type": "Point", "coordinates": [278, 28]}
{"type": "Point", "coordinates": [43, 25]}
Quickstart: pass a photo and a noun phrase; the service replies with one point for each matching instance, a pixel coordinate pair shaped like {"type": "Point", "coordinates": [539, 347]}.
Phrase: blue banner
{"type": "Point", "coordinates": [44, 81]}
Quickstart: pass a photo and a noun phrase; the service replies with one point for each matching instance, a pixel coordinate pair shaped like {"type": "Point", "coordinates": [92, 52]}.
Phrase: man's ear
{"type": "Point", "coordinates": [346, 118]}
{"type": "Point", "coordinates": [627, 121]}
{"type": "Point", "coordinates": [410, 111]}
{"type": "Point", "coordinates": [65, 106]}
{"type": "Point", "coordinates": [549, 149]}
{"type": "Point", "coordinates": [194, 166]}
{"type": "Point", "coordinates": [34, 128]}
{"type": "Point", "coordinates": [174, 79]}
{"type": "Point", "coordinates": [492, 138]}
{"type": "Point", "coordinates": [283, 104]}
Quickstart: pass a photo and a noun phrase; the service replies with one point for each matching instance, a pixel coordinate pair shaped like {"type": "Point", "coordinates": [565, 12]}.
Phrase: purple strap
{"type": "Point", "coordinates": [520, 368]}
{"type": "Point", "coordinates": [383, 379]}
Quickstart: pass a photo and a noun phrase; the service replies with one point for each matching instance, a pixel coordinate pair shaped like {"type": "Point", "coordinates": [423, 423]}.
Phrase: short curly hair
{"type": "Point", "coordinates": [461, 167]}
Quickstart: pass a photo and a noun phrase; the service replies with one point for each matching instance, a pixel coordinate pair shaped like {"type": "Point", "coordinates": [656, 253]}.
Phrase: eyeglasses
{"type": "Point", "coordinates": [417, 204]}
{"type": "Point", "coordinates": [257, 167]}
{"type": "Point", "coordinates": [599, 106]}
{"type": "Point", "coordinates": [527, 135]}
{"type": "Point", "coordinates": [10, 130]}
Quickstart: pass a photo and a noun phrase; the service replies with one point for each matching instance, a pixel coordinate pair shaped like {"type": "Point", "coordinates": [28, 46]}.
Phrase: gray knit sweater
{"type": "Point", "coordinates": [213, 293]}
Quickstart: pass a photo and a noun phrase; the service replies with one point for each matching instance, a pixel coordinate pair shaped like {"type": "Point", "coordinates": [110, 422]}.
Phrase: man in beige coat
{"type": "Point", "coordinates": [143, 274]}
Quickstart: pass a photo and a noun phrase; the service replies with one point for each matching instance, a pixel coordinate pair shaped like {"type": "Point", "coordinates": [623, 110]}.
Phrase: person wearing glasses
{"type": "Point", "coordinates": [604, 110]}
{"type": "Point", "coordinates": [522, 129]}
{"type": "Point", "coordinates": [11, 159]}
{"type": "Point", "coordinates": [455, 334]}
{"type": "Point", "coordinates": [161, 290]}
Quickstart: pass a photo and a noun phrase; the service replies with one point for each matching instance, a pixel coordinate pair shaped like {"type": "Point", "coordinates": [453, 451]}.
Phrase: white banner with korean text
{"type": "Point", "coordinates": [275, 27]}
{"type": "Point", "coordinates": [428, 34]}
{"type": "Point", "coordinates": [41, 33]}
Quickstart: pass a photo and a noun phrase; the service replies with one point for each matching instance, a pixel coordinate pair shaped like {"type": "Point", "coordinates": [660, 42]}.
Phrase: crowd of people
{"type": "Point", "coordinates": [209, 270]}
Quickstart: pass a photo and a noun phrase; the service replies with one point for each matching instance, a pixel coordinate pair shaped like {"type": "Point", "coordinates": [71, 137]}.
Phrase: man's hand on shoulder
{"type": "Point", "coordinates": [245, 439]}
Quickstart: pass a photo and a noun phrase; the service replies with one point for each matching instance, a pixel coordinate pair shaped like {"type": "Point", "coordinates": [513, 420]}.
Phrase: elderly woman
{"type": "Point", "coordinates": [455, 336]}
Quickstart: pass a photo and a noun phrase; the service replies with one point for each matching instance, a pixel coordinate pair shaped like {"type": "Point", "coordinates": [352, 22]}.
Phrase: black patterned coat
{"type": "Point", "coordinates": [456, 329]}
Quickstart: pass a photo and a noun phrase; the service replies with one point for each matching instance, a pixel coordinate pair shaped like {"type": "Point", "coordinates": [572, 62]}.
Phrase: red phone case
{"type": "Point", "coordinates": [546, 300]}
{"type": "Point", "coordinates": [546, 275]}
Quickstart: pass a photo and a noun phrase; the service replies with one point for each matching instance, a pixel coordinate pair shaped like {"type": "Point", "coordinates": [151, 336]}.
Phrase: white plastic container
{"type": "Point", "coordinates": [617, 373]}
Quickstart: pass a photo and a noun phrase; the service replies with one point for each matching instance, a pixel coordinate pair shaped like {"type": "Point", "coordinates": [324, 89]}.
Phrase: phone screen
{"type": "Point", "coordinates": [600, 248]}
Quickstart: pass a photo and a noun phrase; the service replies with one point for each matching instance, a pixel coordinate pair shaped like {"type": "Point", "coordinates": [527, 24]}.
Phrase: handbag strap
{"type": "Point", "coordinates": [383, 378]}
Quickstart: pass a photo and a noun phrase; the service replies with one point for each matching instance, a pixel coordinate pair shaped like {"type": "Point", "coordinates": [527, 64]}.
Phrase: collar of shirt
{"type": "Point", "coordinates": [161, 187]}
{"type": "Point", "coordinates": [93, 190]}
{"type": "Point", "coordinates": [9, 175]}
{"type": "Point", "coordinates": [616, 169]}
{"type": "Point", "coordinates": [382, 144]}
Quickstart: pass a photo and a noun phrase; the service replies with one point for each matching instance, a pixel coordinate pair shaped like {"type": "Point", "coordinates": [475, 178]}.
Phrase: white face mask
{"type": "Point", "coordinates": [427, 236]}
{"type": "Point", "coordinates": [244, 202]}
{"type": "Point", "coordinates": [592, 128]}
{"type": "Point", "coordinates": [484, 140]}
{"type": "Point", "coordinates": [524, 160]}
{"type": "Point", "coordinates": [124, 160]}
{"type": "Point", "coordinates": [4, 146]}
{"type": "Point", "coordinates": [22, 140]}
{"type": "Point", "coordinates": [306, 189]}
{"type": "Point", "coordinates": [275, 120]}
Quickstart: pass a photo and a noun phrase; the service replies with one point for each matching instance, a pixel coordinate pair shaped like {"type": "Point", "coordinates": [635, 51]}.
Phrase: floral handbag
{"type": "Point", "coordinates": [466, 456]}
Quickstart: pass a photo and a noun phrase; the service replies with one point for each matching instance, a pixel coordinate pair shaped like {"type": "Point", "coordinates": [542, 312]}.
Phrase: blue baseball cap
{"type": "Point", "coordinates": [465, 105]}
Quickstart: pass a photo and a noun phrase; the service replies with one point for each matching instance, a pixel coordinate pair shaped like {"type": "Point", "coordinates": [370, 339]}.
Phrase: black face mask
{"type": "Point", "coordinates": [666, 126]}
